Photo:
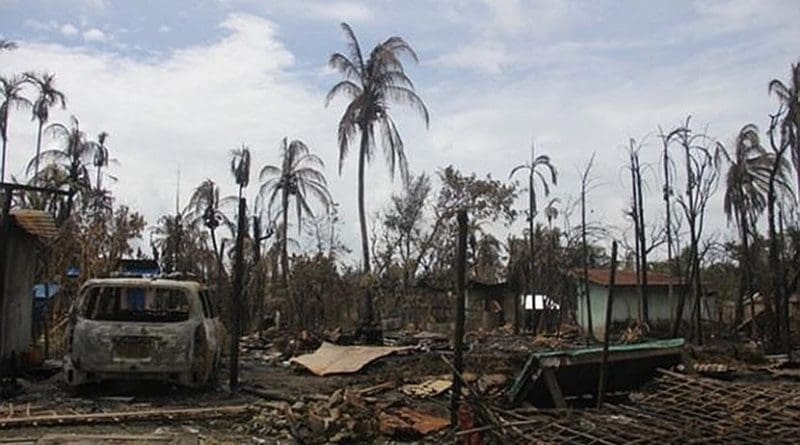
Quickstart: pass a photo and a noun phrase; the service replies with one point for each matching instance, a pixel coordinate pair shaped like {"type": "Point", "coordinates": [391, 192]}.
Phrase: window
{"type": "Point", "coordinates": [136, 304]}
{"type": "Point", "coordinates": [206, 304]}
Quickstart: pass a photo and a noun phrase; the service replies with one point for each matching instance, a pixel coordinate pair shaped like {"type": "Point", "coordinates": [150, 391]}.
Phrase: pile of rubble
{"type": "Point", "coordinates": [346, 416]}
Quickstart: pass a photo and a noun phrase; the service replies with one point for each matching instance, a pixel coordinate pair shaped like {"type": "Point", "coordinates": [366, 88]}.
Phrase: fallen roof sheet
{"type": "Point", "coordinates": [576, 369]}
{"type": "Point", "coordinates": [36, 222]}
{"type": "Point", "coordinates": [334, 359]}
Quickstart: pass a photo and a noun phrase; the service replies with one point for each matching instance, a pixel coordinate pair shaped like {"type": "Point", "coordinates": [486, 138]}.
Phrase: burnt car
{"type": "Point", "coordinates": [144, 329]}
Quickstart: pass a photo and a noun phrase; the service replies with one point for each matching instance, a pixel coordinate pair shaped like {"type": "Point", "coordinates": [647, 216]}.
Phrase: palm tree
{"type": "Point", "coordinates": [298, 177]}
{"type": "Point", "coordinates": [789, 95]}
{"type": "Point", "coordinates": [746, 187]}
{"type": "Point", "coordinates": [48, 97]}
{"type": "Point", "coordinates": [72, 158]}
{"type": "Point", "coordinates": [551, 212]}
{"type": "Point", "coordinates": [240, 167]}
{"type": "Point", "coordinates": [778, 186]}
{"type": "Point", "coordinates": [204, 206]}
{"type": "Point", "coordinates": [100, 157]}
{"type": "Point", "coordinates": [10, 97]}
{"type": "Point", "coordinates": [371, 85]}
{"type": "Point", "coordinates": [534, 168]}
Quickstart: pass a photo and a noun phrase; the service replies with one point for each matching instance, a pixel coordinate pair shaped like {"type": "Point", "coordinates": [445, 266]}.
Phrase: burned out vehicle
{"type": "Point", "coordinates": [143, 328]}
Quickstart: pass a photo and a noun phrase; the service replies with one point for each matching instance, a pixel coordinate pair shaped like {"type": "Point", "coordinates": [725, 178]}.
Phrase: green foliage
{"type": "Point", "coordinates": [484, 199]}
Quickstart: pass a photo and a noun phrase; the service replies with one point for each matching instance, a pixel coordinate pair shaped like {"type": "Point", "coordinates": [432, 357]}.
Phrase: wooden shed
{"type": "Point", "coordinates": [26, 232]}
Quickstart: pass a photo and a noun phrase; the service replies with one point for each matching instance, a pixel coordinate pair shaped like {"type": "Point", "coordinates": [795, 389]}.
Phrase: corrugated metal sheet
{"type": "Point", "coordinates": [626, 278]}
{"type": "Point", "coordinates": [35, 222]}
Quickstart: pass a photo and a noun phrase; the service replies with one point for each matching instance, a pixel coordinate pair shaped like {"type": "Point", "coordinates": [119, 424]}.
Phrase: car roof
{"type": "Point", "coordinates": [145, 282]}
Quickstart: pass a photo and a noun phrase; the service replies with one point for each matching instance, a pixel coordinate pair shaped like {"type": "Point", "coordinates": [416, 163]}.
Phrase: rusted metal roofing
{"type": "Point", "coordinates": [36, 222]}
{"type": "Point", "coordinates": [626, 278]}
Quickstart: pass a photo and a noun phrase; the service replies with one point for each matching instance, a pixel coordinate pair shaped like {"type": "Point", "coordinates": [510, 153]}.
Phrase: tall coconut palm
{"type": "Point", "coordinates": [10, 97]}
{"type": "Point", "coordinates": [789, 95]}
{"type": "Point", "coordinates": [73, 157]}
{"type": "Point", "coordinates": [536, 168]}
{"type": "Point", "coordinates": [298, 177]}
{"type": "Point", "coordinates": [47, 97]}
{"type": "Point", "coordinates": [240, 168]}
{"type": "Point", "coordinates": [371, 85]}
{"type": "Point", "coordinates": [746, 187]}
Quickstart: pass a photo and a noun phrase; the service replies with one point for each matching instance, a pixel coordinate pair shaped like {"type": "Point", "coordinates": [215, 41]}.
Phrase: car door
{"type": "Point", "coordinates": [211, 325]}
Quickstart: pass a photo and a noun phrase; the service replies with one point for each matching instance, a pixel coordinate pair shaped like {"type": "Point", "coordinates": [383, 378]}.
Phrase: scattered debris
{"type": "Point", "coordinates": [333, 359]}
{"type": "Point", "coordinates": [679, 409]}
{"type": "Point", "coordinates": [109, 439]}
{"type": "Point", "coordinates": [407, 423]}
{"type": "Point", "coordinates": [342, 417]}
{"type": "Point", "coordinates": [634, 333]}
{"type": "Point", "coordinates": [37, 420]}
{"type": "Point", "coordinates": [428, 388]}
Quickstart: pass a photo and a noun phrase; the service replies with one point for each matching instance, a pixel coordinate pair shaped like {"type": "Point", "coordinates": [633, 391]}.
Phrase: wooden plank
{"type": "Point", "coordinates": [117, 439]}
{"type": "Point", "coordinates": [555, 390]}
{"type": "Point", "coordinates": [126, 416]}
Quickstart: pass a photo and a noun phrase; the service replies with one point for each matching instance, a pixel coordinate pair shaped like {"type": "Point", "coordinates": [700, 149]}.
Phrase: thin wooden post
{"type": "Point", "coordinates": [237, 296]}
{"type": "Point", "coordinates": [601, 384]}
{"type": "Point", "coordinates": [458, 340]}
{"type": "Point", "coordinates": [5, 230]}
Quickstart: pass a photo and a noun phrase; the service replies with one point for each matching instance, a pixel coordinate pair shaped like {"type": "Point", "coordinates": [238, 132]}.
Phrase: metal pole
{"type": "Point", "coordinates": [601, 384]}
{"type": "Point", "coordinates": [458, 341]}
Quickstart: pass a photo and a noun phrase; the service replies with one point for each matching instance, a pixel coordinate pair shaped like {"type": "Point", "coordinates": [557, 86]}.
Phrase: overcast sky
{"type": "Point", "coordinates": [177, 84]}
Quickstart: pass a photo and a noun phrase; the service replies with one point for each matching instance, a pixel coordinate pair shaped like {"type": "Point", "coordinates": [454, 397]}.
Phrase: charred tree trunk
{"type": "Point", "coordinates": [531, 216]}
{"type": "Point", "coordinates": [369, 322]}
{"type": "Point", "coordinates": [285, 239]}
{"type": "Point", "coordinates": [458, 340]}
{"type": "Point", "coordinates": [642, 241]}
{"type": "Point", "coordinates": [746, 282]}
{"type": "Point", "coordinates": [668, 209]}
{"type": "Point", "coordinates": [585, 253]}
{"type": "Point", "coordinates": [637, 249]}
{"type": "Point", "coordinates": [238, 288]}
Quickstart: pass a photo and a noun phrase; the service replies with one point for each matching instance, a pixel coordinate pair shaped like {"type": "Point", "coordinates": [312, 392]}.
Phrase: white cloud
{"type": "Point", "coordinates": [95, 35]}
{"type": "Point", "coordinates": [164, 29]}
{"type": "Point", "coordinates": [325, 10]}
{"type": "Point", "coordinates": [487, 57]}
{"type": "Point", "coordinates": [348, 11]}
{"type": "Point", "coordinates": [37, 25]}
{"type": "Point", "coordinates": [69, 30]}
{"type": "Point", "coordinates": [737, 15]}
{"type": "Point", "coordinates": [187, 109]}
{"type": "Point", "coordinates": [575, 92]}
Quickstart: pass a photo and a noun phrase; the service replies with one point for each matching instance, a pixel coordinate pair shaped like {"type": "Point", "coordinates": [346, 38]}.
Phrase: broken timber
{"type": "Point", "coordinates": [576, 371]}
{"type": "Point", "coordinates": [679, 409]}
{"type": "Point", "coordinates": [125, 416]}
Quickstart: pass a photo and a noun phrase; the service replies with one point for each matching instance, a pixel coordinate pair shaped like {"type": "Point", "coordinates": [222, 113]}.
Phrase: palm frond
{"type": "Point", "coordinates": [408, 97]}
{"type": "Point", "coordinates": [353, 47]}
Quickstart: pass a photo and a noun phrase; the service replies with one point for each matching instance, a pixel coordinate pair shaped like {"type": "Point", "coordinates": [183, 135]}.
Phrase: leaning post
{"type": "Point", "coordinates": [601, 384]}
{"type": "Point", "coordinates": [458, 340]}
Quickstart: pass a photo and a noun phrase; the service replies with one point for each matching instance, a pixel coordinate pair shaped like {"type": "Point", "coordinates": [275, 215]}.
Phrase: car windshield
{"type": "Point", "coordinates": [136, 304]}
